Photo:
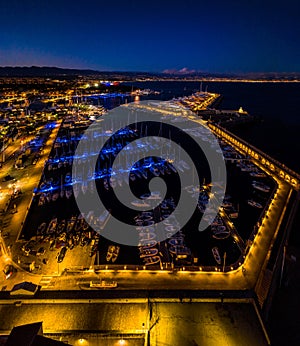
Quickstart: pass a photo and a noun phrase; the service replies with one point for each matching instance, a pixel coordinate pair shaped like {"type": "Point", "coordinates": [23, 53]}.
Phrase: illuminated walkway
{"type": "Point", "coordinates": [274, 167]}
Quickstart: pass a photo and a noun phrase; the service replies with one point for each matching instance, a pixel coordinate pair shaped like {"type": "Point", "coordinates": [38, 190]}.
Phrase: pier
{"type": "Point", "coordinates": [273, 166]}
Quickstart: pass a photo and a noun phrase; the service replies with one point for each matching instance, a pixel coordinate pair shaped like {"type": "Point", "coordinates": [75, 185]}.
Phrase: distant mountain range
{"type": "Point", "coordinates": [45, 71]}
{"type": "Point", "coordinates": [36, 71]}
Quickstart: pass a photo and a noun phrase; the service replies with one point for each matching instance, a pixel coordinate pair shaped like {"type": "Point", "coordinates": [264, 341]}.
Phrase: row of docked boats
{"type": "Point", "coordinates": [54, 227]}
{"type": "Point", "coordinates": [61, 158]}
{"type": "Point", "coordinates": [260, 186]}
{"type": "Point", "coordinates": [230, 208]}
{"type": "Point", "coordinates": [176, 243]}
{"type": "Point", "coordinates": [218, 229]}
{"type": "Point", "coordinates": [55, 164]}
{"type": "Point", "coordinates": [50, 190]}
{"type": "Point", "coordinates": [67, 232]}
{"type": "Point", "coordinates": [245, 164]}
{"type": "Point", "coordinates": [54, 195]}
{"type": "Point", "coordinates": [147, 238]}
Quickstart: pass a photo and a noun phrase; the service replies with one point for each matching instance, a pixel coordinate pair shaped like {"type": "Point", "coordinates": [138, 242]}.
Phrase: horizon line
{"type": "Point", "coordinates": [176, 72]}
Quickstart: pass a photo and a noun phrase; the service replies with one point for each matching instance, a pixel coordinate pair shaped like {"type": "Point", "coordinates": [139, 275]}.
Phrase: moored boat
{"type": "Point", "coordinates": [254, 203]}
{"type": "Point", "coordinates": [216, 254]}
{"type": "Point", "coordinates": [61, 226]}
{"type": "Point", "coordinates": [115, 253]}
{"type": "Point", "coordinates": [52, 226]}
{"type": "Point", "coordinates": [41, 229]}
{"type": "Point", "coordinates": [102, 284]}
{"type": "Point", "coordinates": [258, 174]}
{"type": "Point", "coordinates": [260, 186]}
{"type": "Point", "coordinates": [151, 260]}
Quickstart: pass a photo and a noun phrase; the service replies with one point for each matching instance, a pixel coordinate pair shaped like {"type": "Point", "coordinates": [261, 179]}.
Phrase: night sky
{"type": "Point", "coordinates": [210, 36]}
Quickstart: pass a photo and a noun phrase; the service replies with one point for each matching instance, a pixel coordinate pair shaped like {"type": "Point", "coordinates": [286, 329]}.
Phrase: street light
{"type": "Point", "coordinates": [224, 261]}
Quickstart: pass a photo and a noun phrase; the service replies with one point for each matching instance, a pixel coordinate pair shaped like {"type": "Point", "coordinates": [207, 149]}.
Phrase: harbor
{"type": "Point", "coordinates": [54, 221]}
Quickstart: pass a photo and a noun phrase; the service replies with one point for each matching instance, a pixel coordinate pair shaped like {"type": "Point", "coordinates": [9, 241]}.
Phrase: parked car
{"type": "Point", "coordinates": [8, 177]}
{"type": "Point", "coordinates": [41, 251]}
{"type": "Point", "coordinates": [62, 254]}
{"type": "Point", "coordinates": [8, 271]}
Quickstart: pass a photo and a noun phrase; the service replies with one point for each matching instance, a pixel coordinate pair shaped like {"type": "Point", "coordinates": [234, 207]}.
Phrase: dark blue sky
{"type": "Point", "coordinates": [210, 36]}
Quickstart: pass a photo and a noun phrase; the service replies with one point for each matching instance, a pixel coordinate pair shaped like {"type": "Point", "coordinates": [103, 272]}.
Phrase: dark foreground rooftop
{"type": "Point", "coordinates": [30, 335]}
{"type": "Point", "coordinates": [162, 322]}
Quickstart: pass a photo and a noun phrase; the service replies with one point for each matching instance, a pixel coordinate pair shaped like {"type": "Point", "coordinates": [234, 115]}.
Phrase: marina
{"type": "Point", "coordinates": [60, 227]}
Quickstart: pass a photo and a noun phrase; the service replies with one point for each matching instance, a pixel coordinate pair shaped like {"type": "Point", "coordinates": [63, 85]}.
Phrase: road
{"type": "Point", "coordinates": [12, 220]}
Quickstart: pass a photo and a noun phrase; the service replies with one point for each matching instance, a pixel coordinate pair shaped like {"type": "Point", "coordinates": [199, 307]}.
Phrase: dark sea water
{"type": "Point", "coordinates": [277, 104]}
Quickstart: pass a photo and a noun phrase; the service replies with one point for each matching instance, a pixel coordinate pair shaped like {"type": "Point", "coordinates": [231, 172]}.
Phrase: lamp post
{"type": "Point", "coordinates": [224, 257]}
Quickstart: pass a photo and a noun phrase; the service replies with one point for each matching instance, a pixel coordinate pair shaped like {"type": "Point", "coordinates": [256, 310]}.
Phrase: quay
{"type": "Point", "coordinates": [274, 167]}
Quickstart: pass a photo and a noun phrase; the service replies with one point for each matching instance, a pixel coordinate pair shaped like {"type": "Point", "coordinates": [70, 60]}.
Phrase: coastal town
{"type": "Point", "coordinates": [47, 241]}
